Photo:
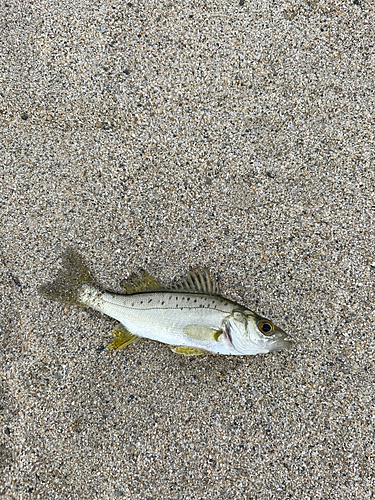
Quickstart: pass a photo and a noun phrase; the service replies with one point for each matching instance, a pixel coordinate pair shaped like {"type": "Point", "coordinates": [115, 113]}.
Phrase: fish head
{"type": "Point", "coordinates": [250, 333]}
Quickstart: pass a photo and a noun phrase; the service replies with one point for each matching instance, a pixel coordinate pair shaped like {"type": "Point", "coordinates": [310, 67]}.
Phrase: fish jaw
{"type": "Point", "coordinates": [281, 341]}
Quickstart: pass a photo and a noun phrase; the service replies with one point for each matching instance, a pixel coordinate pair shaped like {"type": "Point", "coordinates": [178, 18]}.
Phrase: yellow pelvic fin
{"type": "Point", "coordinates": [188, 351]}
{"type": "Point", "coordinates": [202, 333]}
{"type": "Point", "coordinates": [122, 338]}
{"type": "Point", "coordinates": [142, 282]}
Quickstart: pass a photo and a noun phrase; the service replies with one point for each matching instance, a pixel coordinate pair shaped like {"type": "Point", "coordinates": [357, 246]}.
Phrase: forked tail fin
{"type": "Point", "coordinates": [68, 284]}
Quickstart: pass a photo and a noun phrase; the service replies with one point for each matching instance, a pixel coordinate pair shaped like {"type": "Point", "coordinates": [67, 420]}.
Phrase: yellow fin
{"type": "Point", "coordinates": [142, 282]}
{"type": "Point", "coordinates": [188, 351]}
{"type": "Point", "coordinates": [122, 338]}
{"type": "Point", "coordinates": [202, 333]}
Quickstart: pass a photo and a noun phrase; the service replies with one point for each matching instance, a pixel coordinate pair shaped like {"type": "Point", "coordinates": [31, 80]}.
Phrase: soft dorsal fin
{"type": "Point", "coordinates": [198, 280]}
{"type": "Point", "coordinates": [142, 282]}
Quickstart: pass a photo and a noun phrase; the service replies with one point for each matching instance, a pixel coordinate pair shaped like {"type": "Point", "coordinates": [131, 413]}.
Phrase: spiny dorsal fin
{"type": "Point", "coordinates": [198, 280]}
{"type": "Point", "coordinates": [142, 282]}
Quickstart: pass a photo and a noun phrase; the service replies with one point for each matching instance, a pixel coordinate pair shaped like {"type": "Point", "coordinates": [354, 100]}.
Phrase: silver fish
{"type": "Point", "coordinates": [191, 317]}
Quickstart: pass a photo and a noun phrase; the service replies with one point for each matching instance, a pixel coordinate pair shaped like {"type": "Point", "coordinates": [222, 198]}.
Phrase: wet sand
{"type": "Point", "coordinates": [237, 136]}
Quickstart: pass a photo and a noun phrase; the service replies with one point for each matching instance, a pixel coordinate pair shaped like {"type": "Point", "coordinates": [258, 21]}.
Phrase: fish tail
{"type": "Point", "coordinates": [68, 285]}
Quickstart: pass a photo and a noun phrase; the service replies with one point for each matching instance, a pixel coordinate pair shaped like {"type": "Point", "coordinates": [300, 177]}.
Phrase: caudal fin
{"type": "Point", "coordinates": [68, 284]}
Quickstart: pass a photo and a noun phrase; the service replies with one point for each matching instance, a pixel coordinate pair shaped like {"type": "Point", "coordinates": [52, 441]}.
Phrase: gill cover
{"type": "Point", "coordinates": [250, 332]}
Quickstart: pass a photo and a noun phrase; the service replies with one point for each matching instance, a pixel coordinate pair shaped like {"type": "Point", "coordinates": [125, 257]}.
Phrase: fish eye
{"type": "Point", "coordinates": [265, 326]}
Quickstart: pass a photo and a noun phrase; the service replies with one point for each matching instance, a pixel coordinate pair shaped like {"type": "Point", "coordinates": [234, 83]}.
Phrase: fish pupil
{"type": "Point", "coordinates": [266, 328]}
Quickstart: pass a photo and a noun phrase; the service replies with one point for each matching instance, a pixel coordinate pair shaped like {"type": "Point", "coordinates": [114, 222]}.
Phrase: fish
{"type": "Point", "coordinates": [190, 316]}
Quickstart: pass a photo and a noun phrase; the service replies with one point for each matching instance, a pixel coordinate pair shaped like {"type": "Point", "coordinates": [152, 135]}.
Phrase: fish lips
{"type": "Point", "coordinates": [282, 341]}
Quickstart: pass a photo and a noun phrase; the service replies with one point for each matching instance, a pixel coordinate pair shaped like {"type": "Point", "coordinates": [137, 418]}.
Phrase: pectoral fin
{"type": "Point", "coordinates": [122, 338]}
{"type": "Point", "coordinates": [188, 351]}
{"type": "Point", "coordinates": [202, 333]}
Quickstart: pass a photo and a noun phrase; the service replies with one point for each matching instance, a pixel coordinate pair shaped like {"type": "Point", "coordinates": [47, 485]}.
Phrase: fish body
{"type": "Point", "coordinates": [167, 316]}
{"type": "Point", "coordinates": [192, 316]}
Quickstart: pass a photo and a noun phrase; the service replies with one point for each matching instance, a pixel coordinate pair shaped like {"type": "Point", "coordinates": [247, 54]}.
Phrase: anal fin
{"type": "Point", "coordinates": [122, 338]}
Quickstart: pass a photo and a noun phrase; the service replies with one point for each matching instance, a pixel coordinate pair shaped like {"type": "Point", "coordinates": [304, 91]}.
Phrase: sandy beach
{"type": "Point", "coordinates": [237, 136]}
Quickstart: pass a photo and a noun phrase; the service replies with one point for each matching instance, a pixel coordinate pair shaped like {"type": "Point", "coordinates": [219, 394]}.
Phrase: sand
{"type": "Point", "coordinates": [164, 135]}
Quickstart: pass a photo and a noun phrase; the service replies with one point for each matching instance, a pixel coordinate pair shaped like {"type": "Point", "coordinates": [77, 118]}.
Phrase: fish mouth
{"type": "Point", "coordinates": [282, 343]}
